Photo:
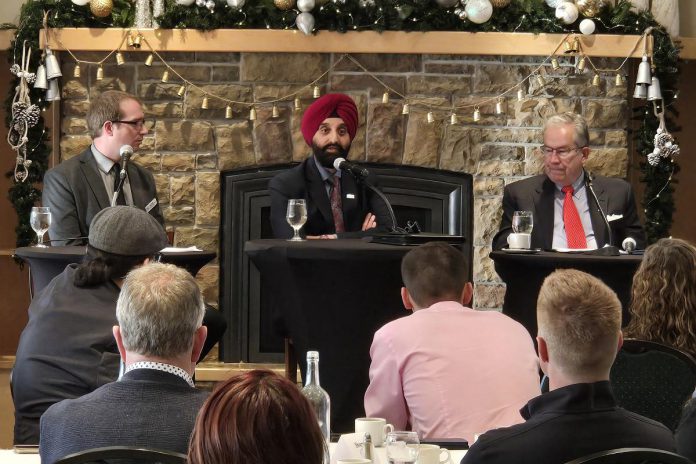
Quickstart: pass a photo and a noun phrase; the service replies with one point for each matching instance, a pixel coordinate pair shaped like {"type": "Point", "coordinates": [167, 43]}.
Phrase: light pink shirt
{"type": "Point", "coordinates": [451, 372]}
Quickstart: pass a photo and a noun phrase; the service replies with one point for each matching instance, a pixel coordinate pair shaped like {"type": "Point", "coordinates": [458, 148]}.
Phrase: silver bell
{"type": "Point", "coordinates": [644, 72]}
{"type": "Point", "coordinates": [53, 92]}
{"type": "Point", "coordinates": [41, 81]}
{"type": "Point", "coordinates": [641, 91]}
{"type": "Point", "coordinates": [654, 91]}
{"type": "Point", "coordinates": [52, 66]}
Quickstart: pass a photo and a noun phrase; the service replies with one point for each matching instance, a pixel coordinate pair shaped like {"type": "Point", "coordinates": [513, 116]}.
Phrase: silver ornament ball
{"type": "Point", "coordinates": [210, 4]}
{"type": "Point", "coordinates": [305, 23]}
{"type": "Point", "coordinates": [305, 5]}
{"type": "Point", "coordinates": [236, 4]}
{"type": "Point", "coordinates": [479, 11]}
{"type": "Point", "coordinates": [80, 2]}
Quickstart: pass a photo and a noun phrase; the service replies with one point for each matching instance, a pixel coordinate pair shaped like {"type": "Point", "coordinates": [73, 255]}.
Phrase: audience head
{"type": "Point", "coordinates": [329, 126]}
{"type": "Point", "coordinates": [160, 311]}
{"type": "Point", "coordinates": [434, 272]}
{"type": "Point", "coordinates": [120, 238]}
{"type": "Point", "coordinates": [663, 296]}
{"type": "Point", "coordinates": [566, 140]}
{"type": "Point", "coordinates": [116, 118]}
{"type": "Point", "coordinates": [258, 417]}
{"type": "Point", "coordinates": [579, 326]}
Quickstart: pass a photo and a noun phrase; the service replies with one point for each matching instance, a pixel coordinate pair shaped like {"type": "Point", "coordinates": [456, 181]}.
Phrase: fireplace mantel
{"type": "Point", "coordinates": [293, 41]}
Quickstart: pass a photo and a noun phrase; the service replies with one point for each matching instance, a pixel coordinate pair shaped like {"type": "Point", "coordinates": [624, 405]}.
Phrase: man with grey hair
{"type": "Point", "coordinates": [77, 189]}
{"type": "Point", "coordinates": [159, 336]}
{"type": "Point", "coordinates": [569, 205]}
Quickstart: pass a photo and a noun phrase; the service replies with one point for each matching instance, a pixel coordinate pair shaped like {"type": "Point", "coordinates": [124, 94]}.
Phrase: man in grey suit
{"type": "Point", "coordinates": [159, 336]}
{"type": "Point", "coordinates": [77, 189]}
{"type": "Point", "coordinates": [566, 186]}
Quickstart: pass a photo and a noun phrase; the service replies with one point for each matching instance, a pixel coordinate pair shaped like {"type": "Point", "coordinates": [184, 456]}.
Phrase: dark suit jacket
{"type": "Point", "coordinates": [304, 181]}
{"type": "Point", "coordinates": [74, 190]}
{"type": "Point", "coordinates": [146, 408]}
{"type": "Point", "coordinates": [536, 194]}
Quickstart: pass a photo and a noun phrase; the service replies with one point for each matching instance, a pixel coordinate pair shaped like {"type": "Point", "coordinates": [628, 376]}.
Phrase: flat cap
{"type": "Point", "coordinates": [127, 231]}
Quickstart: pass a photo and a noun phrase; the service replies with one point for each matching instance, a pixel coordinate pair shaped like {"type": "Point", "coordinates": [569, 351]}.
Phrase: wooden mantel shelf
{"type": "Point", "coordinates": [293, 41]}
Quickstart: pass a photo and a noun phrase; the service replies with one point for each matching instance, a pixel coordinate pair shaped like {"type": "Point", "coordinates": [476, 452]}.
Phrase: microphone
{"type": "Point", "coordinates": [629, 244]}
{"type": "Point", "coordinates": [125, 152]}
{"type": "Point", "coordinates": [588, 183]}
{"type": "Point", "coordinates": [343, 165]}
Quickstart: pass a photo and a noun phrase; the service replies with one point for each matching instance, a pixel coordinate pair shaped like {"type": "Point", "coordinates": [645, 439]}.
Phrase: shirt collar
{"type": "Point", "coordinates": [323, 172]}
{"type": "Point", "coordinates": [577, 184]}
{"type": "Point", "coordinates": [577, 397]}
{"type": "Point", "coordinates": [104, 163]}
{"type": "Point", "coordinates": [158, 366]}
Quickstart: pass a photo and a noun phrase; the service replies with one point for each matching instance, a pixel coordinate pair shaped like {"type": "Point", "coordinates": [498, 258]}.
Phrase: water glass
{"type": "Point", "coordinates": [398, 449]}
{"type": "Point", "coordinates": [296, 216]}
{"type": "Point", "coordinates": [40, 221]}
{"type": "Point", "coordinates": [522, 222]}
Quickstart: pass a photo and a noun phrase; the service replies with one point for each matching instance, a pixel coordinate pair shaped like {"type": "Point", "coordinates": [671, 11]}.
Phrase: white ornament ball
{"type": "Point", "coordinates": [554, 3]}
{"type": "Point", "coordinates": [479, 11]}
{"type": "Point", "coordinates": [305, 23]}
{"type": "Point", "coordinates": [236, 4]}
{"type": "Point", "coordinates": [305, 5]}
{"type": "Point", "coordinates": [587, 26]}
{"type": "Point", "coordinates": [567, 12]}
{"type": "Point", "coordinates": [210, 4]}
{"type": "Point", "coordinates": [447, 3]}
{"type": "Point", "coordinates": [200, 3]}
{"type": "Point", "coordinates": [80, 2]}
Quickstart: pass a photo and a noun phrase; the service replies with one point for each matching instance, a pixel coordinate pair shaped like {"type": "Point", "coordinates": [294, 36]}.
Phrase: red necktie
{"type": "Point", "coordinates": [575, 234]}
{"type": "Point", "coordinates": [337, 205]}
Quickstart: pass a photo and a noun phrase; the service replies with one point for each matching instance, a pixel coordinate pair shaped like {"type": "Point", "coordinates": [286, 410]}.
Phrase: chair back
{"type": "Point", "coordinates": [653, 380]}
{"type": "Point", "coordinates": [632, 456]}
{"type": "Point", "coordinates": [123, 455]}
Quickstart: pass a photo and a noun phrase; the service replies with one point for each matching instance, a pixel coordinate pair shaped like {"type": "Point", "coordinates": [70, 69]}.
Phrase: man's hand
{"type": "Point", "coordinates": [370, 222]}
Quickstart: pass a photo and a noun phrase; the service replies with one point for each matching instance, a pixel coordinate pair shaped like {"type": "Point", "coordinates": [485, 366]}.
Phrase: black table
{"type": "Point", "coordinates": [46, 263]}
{"type": "Point", "coordinates": [524, 273]}
{"type": "Point", "coordinates": [331, 296]}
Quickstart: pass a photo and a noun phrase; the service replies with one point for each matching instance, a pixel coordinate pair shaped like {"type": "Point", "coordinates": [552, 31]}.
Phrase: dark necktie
{"type": "Point", "coordinates": [121, 198]}
{"type": "Point", "coordinates": [336, 204]}
{"type": "Point", "coordinates": [575, 233]}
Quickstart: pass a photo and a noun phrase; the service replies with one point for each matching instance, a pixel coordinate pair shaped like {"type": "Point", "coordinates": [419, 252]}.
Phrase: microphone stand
{"type": "Point", "coordinates": [114, 197]}
{"type": "Point", "coordinates": [610, 249]}
{"type": "Point", "coordinates": [394, 227]}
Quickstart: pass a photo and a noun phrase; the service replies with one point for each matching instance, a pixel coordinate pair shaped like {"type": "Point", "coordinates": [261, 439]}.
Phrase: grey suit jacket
{"type": "Point", "coordinates": [75, 192]}
{"type": "Point", "coordinates": [146, 407]}
{"type": "Point", "coordinates": [536, 194]}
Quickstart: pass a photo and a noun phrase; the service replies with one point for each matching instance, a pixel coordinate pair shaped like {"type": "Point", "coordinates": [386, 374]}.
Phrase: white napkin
{"type": "Point", "coordinates": [349, 446]}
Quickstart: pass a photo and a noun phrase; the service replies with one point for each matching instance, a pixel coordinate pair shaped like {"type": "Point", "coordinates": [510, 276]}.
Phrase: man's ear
{"type": "Point", "coordinates": [467, 294]}
{"type": "Point", "coordinates": [406, 299]}
{"type": "Point", "coordinates": [108, 128]}
{"type": "Point", "coordinates": [119, 342]}
{"type": "Point", "coordinates": [198, 341]}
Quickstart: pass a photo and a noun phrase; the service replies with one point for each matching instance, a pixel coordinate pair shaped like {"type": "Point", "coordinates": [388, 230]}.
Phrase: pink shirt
{"type": "Point", "coordinates": [451, 372]}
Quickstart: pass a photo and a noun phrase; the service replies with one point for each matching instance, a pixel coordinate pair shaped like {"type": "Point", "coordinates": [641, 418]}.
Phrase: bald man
{"type": "Point", "coordinates": [338, 204]}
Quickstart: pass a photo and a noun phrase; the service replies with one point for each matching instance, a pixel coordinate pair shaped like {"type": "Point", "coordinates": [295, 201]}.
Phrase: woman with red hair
{"type": "Point", "coordinates": [258, 417]}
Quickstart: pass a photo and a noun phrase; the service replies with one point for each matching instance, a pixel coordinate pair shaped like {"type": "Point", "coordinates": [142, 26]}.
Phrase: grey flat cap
{"type": "Point", "coordinates": [127, 231]}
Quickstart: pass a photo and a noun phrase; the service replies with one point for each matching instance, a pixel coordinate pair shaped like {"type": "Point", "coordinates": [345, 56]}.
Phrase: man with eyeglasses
{"type": "Point", "coordinates": [77, 189]}
{"type": "Point", "coordinates": [566, 212]}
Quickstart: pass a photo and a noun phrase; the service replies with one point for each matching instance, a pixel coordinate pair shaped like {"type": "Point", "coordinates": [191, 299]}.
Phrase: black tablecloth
{"type": "Point", "coordinates": [524, 273]}
{"type": "Point", "coordinates": [331, 296]}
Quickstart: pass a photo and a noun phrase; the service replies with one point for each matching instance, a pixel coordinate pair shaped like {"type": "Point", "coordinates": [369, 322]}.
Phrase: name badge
{"type": "Point", "coordinates": [350, 196]}
{"type": "Point", "coordinates": [151, 205]}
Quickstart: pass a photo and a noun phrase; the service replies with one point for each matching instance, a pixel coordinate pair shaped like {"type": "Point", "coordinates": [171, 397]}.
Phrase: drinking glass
{"type": "Point", "coordinates": [522, 222]}
{"type": "Point", "coordinates": [40, 220]}
{"type": "Point", "coordinates": [296, 217]}
{"type": "Point", "coordinates": [398, 449]}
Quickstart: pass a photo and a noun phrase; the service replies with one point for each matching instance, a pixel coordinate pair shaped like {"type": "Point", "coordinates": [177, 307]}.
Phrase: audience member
{"type": "Point", "coordinates": [448, 371]}
{"type": "Point", "coordinates": [663, 296]}
{"type": "Point", "coordinates": [258, 417]}
{"type": "Point", "coordinates": [159, 336]}
{"type": "Point", "coordinates": [686, 432]}
{"type": "Point", "coordinates": [579, 320]}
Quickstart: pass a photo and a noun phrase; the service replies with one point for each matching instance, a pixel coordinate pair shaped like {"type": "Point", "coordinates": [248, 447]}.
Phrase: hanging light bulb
{"type": "Point", "coordinates": [52, 66]}
{"type": "Point", "coordinates": [298, 104]}
{"type": "Point", "coordinates": [430, 118]}
{"type": "Point", "coordinates": [405, 109]}
{"type": "Point", "coordinates": [582, 64]}
{"type": "Point", "coordinates": [41, 82]}
{"type": "Point", "coordinates": [275, 113]}
{"type": "Point", "coordinates": [150, 58]}
{"type": "Point", "coordinates": [540, 80]}
{"type": "Point", "coordinates": [252, 114]}
{"type": "Point", "coordinates": [204, 103]}
{"type": "Point", "coordinates": [385, 97]}
{"type": "Point", "coordinates": [554, 64]}
{"type": "Point", "coordinates": [454, 119]}
{"type": "Point", "coordinates": [644, 75]}
{"type": "Point", "coordinates": [100, 72]}
{"type": "Point", "coordinates": [316, 92]}
{"type": "Point", "coordinates": [477, 114]}
{"type": "Point", "coordinates": [119, 59]}
{"type": "Point", "coordinates": [181, 91]}
{"type": "Point", "coordinates": [499, 106]}
{"type": "Point", "coordinates": [596, 80]}
{"type": "Point", "coordinates": [77, 72]}
{"type": "Point", "coordinates": [640, 92]}
{"type": "Point", "coordinates": [228, 112]}
{"type": "Point", "coordinates": [618, 80]}
{"type": "Point", "coordinates": [137, 41]}
{"type": "Point", "coordinates": [654, 91]}
{"type": "Point", "coordinates": [520, 94]}
{"type": "Point", "coordinates": [165, 75]}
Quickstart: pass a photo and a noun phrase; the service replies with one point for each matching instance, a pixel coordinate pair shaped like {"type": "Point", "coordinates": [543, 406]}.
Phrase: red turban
{"type": "Point", "coordinates": [327, 106]}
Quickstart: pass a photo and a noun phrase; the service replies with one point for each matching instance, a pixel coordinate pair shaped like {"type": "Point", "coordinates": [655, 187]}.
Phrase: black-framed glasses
{"type": "Point", "coordinates": [138, 124]}
{"type": "Point", "coordinates": [562, 153]}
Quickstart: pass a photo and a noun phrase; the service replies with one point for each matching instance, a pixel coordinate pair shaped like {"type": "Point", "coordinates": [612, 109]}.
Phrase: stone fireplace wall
{"type": "Point", "coordinates": [187, 146]}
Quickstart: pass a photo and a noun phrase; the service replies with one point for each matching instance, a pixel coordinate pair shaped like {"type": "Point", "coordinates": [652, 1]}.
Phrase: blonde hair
{"type": "Point", "coordinates": [579, 317]}
{"type": "Point", "coordinates": [581, 134]}
{"type": "Point", "coordinates": [106, 107]}
{"type": "Point", "coordinates": [663, 296]}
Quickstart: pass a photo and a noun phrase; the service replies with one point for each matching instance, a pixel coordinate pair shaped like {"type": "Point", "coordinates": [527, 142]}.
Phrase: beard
{"type": "Point", "coordinates": [326, 158]}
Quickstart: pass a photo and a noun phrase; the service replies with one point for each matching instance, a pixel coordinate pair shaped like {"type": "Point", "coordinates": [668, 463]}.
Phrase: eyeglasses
{"type": "Point", "coordinates": [139, 124]}
{"type": "Point", "coordinates": [563, 153]}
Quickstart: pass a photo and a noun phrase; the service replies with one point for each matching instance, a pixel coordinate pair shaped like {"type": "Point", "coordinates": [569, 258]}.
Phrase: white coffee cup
{"type": "Point", "coordinates": [354, 461]}
{"type": "Point", "coordinates": [432, 454]}
{"type": "Point", "coordinates": [375, 426]}
{"type": "Point", "coordinates": [519, 241]}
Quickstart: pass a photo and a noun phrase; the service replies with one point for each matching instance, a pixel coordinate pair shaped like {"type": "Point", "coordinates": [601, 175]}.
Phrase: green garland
{"type": "Point", "coordinates": [397, 15]}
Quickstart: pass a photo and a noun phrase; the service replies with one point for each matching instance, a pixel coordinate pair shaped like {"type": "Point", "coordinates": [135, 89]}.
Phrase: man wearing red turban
{"type": "Point", "coordinates": [338, 205]}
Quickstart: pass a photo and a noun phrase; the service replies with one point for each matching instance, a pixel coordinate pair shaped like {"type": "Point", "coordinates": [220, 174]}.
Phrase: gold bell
{"type": "Point", "coordinates": [252, 114]}
{"type": "Point", "coordinates": [454, 119]}
{"type": "Point", "coordinates": [228, 112]}
{"type": "Point", "coordinates": [430, 118]}
{"type": "Point", "coordinates": [119, 59]}
{"type": "Point", "coordinates": [540, 80]}
{"type": "Point", "coordinates": [298, 104]}
{"type": "Point", "coordinates": [100, 73]}
{"type": "Point", "coordinates": [582, 64]}
{"type": "Point", "coordinates": [499, 106]}
{"type": "Point", "coordinates": [77, 72]}
{"type": "Point", "coordinates": [520, 94]}
{"type": "Point", "coordinates": [316, 92]}
{"type": "Point", "coordinates": [618, 80]}
{"type": "Point", "coordinates": [567, 48]}
{"type": "Point", "coordinates": [596, 80]}
{"type": "Point", "coordinates": [477, 114]}
{"type": "Point", "coordinates": [137, 41]}
{"type": "Point", "coordinates": [576, 45]}
{"type": "Point", "coordinates": [554, 64]}
{"type": "Point", "coordinates": [165, 75]}
{"type": "Point", "coordinates": [275, 113]}
{"type": "Point", "coordinates": [405, 109]}
{"type": "Point", "coordinates": [385, 97]}
{"type": "Point", "coordinates": [150, 58]}
{"type": "Point", "coordinates": [181, 91]}
{"type": "Point", "coordinates": [129, 41]}
{"type": "Point", "coordinates": [204, 104]}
